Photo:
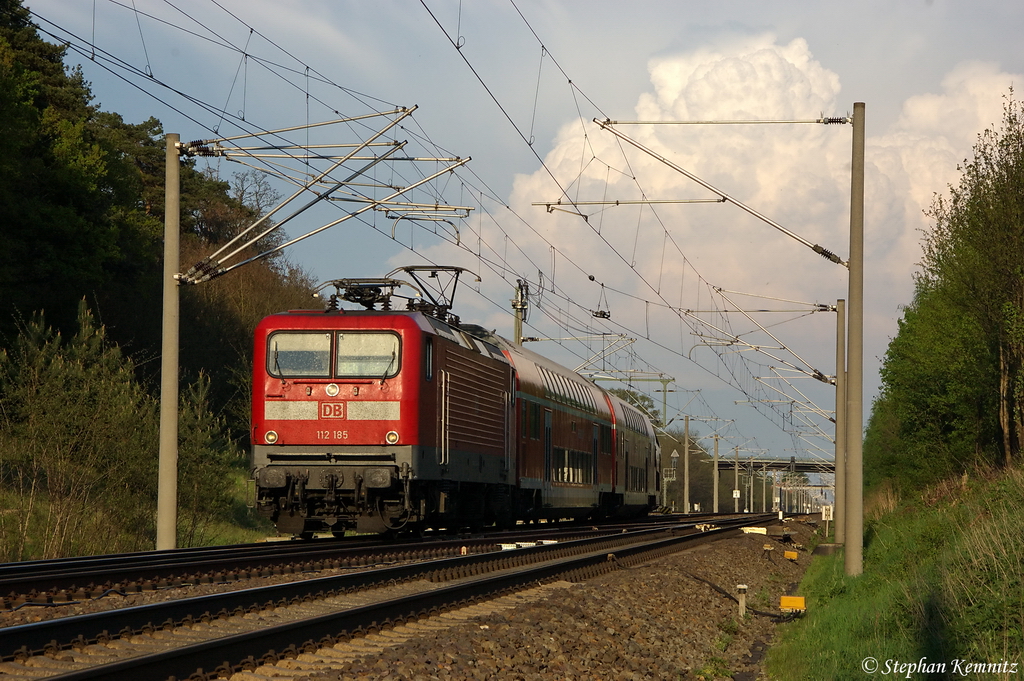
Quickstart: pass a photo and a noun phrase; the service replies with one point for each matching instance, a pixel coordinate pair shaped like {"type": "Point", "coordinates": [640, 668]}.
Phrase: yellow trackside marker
{"type": "Point", "coordinates": [790, 555]}
{"type": "Point", "coordinates": [792, 604]}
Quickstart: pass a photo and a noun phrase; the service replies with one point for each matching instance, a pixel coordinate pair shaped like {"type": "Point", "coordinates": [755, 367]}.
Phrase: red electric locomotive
{"type": "Point", "coordinates": [382, 420]}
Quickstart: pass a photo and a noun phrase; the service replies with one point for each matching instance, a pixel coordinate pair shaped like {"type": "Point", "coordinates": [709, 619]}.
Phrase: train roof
{"type": "Point", "coordinates": [546, 378]}
{"type": "Point", "coordinates": [314, 319]}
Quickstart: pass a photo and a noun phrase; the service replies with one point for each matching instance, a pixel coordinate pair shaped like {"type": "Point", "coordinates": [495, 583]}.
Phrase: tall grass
{"type": "Point", "coordinates": [943, 580]}
{"type": "Point", "coordinates": [983, 579]}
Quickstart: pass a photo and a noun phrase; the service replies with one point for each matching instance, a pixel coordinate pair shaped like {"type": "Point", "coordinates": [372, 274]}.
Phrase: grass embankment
{"type": "Point", "coordinates": [943, 580]}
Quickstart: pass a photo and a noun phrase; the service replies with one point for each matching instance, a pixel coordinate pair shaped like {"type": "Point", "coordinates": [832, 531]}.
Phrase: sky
{"type": "Point", "coordinates": [517, 87]}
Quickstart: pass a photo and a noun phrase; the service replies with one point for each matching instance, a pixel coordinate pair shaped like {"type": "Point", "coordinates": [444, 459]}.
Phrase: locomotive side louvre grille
{"type": "Point", "coordinates": [290, 411]}
{"type": "Point", "coordinates": [476, 396]}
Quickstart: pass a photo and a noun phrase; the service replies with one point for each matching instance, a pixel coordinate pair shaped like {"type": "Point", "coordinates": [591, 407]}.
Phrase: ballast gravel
{"type": "Point", "coordinates": [652, 621]}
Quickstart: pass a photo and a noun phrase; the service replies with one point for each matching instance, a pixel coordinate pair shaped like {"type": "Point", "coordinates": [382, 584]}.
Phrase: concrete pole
{"type": "Point", "coordinates": [749, 487]}
{"type": "Point", "coordinates": [167, 481]}
{"type": "Point", "coordinates": [840, 514]}
{"type": "Point", "coordinates": [686, 464]}
{"type": "Point", "coordinates": [664, 421]}
{"type": "Point", "coordinates": [854, 554]}
{"type": "Point", "coordinates": [764, 488]}
{"type": "Point", "coordinates": [714, 477]}
{"type": "Point", "coordinates": [736, 483]}
{"type": "Point", "coordinates": [752, 485]}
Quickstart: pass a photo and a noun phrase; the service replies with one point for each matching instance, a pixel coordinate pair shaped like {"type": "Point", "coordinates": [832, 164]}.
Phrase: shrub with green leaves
{"type": "Point", "coordinates": [76, 432]}
{"type": "Point", "coordinates": [78, 449]}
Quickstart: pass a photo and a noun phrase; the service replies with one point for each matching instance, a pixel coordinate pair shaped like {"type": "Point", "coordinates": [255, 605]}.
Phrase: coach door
{"type": "Point", "coordinates": [547, 448]}
{"type": "Point", "coordinates": [443, 407]}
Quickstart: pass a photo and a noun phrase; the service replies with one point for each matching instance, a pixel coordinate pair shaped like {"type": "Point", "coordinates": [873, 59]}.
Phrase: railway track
{"type": "Point", "coordinates": [216, 635]}
{"type": "Point", "coordinates": [63, 581]}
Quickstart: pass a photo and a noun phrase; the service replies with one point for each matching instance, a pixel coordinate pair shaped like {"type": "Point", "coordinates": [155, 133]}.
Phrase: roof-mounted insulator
{"type": "Point", "coordinates": [202, 271]}
{"type": "Point", "coordinates": [822, 377]}
{"type": "Point", "coordinates": [201, 148]}
{"type": "Point", "coordinates": [827, 254]}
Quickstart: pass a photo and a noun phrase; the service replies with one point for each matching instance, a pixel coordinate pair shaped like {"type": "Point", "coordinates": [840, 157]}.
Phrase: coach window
{"type": "Point", "coordinates": [299, 355]}
{"type": "Point", "coordinates": [367, 355]}
{"type": "Point", "coordinates": [563, 386]}
{"type": "Point", "coordinates": [577, 392]}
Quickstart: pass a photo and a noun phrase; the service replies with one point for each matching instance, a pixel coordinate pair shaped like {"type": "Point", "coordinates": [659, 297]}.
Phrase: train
{"type": "Point", "coordinates": [379, 420]}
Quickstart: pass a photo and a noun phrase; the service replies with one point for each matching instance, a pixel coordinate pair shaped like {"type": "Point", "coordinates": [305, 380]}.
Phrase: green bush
{"type": "Point", "coordinates": [78, 450]}
{"type": "Point", "coordinates": [75, 441]}
{"type": "Point", "coordinates": [943, 579]}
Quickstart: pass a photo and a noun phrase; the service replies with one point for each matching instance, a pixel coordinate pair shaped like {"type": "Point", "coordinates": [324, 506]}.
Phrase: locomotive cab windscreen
{"type": "Point", "coordinates": [357, 354]}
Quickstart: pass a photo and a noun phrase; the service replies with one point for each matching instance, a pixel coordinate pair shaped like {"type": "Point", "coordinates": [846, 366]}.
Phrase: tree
{"type": "Point", "coordinates": [76, 439]}
{"type": "Point", "coordinates": [206, 455]}
{"type": "Point", "coordinates": [975, 254]}
{"type": "Point", "coordinates": [953, 377]}
{"type": "Point", "coordinates": [71, 187]}
{"type": "Point", "coordinates": [937, 413]}
{"type": "Point", "coordinates": [78, 444]}
{"type": "Point", "coordinates": [82, 199]}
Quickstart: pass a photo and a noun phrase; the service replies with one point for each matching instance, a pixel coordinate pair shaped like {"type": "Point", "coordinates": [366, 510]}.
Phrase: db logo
{"type": "Point", "coordinates": [332, 410]}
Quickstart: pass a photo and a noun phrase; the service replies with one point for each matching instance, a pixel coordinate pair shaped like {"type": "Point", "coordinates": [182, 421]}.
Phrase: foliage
{"type": "Point", "coordinates": [975, 253]}
{"type": "Point", "coordinates": [205, 458]}
{"type": "Point", "coordinates": [72, 222]}
{"type": "Point", "coordinates": [942, 580]}
{"type": "Point", "coordinates": [937, 413]}
{"type": "Point", "coordinates": [953, 377]}
{"type": "Point", "coordinates": [78, 445]}
{"type": "Point", "coordinates": [75, 430]}
{"type": "Point", "coordinates": [82, 195]}
{"type": "Point", "coordinates": [701, 475]}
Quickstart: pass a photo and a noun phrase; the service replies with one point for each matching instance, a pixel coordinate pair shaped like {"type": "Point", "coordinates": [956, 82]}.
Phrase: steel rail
{"type": "Point", "coordinates": [223, 655]}
{"type": "Point", "coordinates": [51, 577]}
{"type": "Point", "coordinates": [26, 640]}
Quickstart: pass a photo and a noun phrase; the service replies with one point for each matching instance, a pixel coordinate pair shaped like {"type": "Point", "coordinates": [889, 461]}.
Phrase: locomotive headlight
{"type": "Point", "coordinates": [270, 437]}
{"type": "Point", "coordinates": [332, 389]}
{"type": "Point", "coordinates": [391, 437]}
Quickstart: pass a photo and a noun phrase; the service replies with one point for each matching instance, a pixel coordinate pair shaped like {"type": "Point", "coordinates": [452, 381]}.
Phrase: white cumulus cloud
{"type": "Point", "coordinates": [797, 175]}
